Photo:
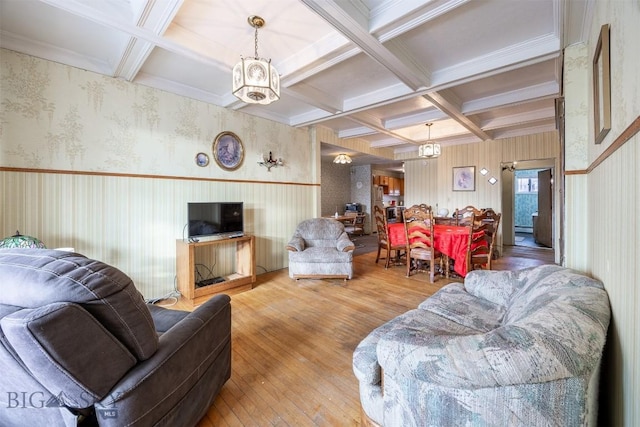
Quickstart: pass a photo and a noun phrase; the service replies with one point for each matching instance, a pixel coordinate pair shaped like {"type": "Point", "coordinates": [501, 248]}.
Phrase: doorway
{"type": "Point", "coordinates": [528, 208]}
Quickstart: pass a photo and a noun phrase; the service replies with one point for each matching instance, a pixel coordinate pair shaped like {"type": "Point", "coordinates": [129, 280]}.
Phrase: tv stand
{"type": "Point", "coordinates": [242, 280]}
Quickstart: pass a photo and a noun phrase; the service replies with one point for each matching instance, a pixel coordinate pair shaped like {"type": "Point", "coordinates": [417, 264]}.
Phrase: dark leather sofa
{"type": "Point", "coordinates": [78, 345]}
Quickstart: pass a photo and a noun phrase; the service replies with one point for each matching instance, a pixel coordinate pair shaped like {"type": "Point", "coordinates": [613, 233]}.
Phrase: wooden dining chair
{"type": "Point", "coordinates": [481, 248]}
{"type": "Point", "coordinates": [463, 215]}
{"type": "Point", "coordinates": [355, 225]}
{"type": "Point", "coordinates": [383, 238]}
{"type": "Point", "coordinates": [420, 249]}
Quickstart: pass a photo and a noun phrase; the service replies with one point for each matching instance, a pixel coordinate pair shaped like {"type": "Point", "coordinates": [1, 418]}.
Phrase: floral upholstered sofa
{"type": "Point", "coordinates": [504, 348]}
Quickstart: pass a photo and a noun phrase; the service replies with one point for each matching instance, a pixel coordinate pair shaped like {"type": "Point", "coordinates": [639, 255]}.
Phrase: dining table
{"type": "Point", "coordinates": [450, 240]}
{"type": "Point", "coordinates": [341, 218]}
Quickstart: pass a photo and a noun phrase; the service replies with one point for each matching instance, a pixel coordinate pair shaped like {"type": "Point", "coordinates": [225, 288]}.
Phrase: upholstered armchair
{"type": "Point", "coordinates": [320, 248]}
{"type": "Point", "coordinates": [78, 345]}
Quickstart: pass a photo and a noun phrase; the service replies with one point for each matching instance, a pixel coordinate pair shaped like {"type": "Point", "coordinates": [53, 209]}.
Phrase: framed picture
{"type": "Point", "coordinates": [602, 86]}
{"type": "Point", "coordinates": [202, 159]}
{"type": "Point", "coordinates": [464, 178]}
{"type": "Point", "coordinates": [228, 151]}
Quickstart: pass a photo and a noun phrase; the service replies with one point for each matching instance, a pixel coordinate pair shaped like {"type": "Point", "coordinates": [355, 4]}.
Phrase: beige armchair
{"type": "Point", "coordinates": [320, 248]}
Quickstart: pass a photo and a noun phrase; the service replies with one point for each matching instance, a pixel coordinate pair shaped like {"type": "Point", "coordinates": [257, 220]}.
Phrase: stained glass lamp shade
{"type": "Point", "coordinates": [21, 241]}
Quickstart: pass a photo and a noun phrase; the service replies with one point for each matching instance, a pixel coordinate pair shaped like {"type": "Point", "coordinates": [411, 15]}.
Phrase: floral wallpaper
{"type": "Point", "coordinates": [57, 117]}
{"type": "Point", "coordinates": [108, 167]}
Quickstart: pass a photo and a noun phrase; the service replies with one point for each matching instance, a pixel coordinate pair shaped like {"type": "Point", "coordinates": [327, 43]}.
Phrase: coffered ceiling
{"type": "Point", "coordinates": [371, 69]}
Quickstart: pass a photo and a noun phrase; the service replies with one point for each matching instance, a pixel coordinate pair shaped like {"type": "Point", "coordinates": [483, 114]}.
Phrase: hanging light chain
{"type": "Point", "coordinates": [256, 40]}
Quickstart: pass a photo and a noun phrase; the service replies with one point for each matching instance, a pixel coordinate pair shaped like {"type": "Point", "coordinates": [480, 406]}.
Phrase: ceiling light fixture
{"type": "Point", "coordinates": [342, 159]}
{"type": "Point", "coordinates": [431, 149]}
{"type": "Point", "coordinates": [255, 80]}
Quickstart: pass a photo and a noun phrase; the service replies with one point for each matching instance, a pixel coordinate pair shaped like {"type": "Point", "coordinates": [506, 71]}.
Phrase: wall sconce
{"type": "Point", "coordinates": [509, 166]}
{"type": "Point", "coordinates": [270, 162]}
{"type": "Point", "coordinates": [484, 171]}
{"type": "Point", "coordinates": [492, 180]}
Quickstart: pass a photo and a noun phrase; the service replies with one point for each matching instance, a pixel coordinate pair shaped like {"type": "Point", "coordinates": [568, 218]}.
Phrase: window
{"type": "Point", "coordinates": [527, 185]}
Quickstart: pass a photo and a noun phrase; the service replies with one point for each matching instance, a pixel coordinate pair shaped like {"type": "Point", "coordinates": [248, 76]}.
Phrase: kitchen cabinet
{"type": "Point", "coordinates": [392, 186]}
{"type": "Point", "coordinates": [396, 186]}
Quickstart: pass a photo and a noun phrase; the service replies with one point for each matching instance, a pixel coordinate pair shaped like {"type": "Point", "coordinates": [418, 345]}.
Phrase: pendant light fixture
{"type": "Point", "coordinates": [255, 80]}
{"type": "Point", "coordinates": [430, 149]}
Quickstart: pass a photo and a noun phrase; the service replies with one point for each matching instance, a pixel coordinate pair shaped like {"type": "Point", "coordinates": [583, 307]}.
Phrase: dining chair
{"type": "Point", "coordinates": [462, 215]}
{"type": "Point", "coordinates": [450, 263]}
{"type": "Point", "coordinates": [383, 238]}
{"type": "Point", "coordinates": [355, 225]}
{"type": "Point", "coordinates": [481, 248]}
{"type": "Point", "coordinates": [420, 249]}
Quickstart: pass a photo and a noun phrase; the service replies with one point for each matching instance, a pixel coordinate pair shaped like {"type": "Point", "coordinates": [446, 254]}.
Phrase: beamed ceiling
{"type": "Point", "coordinates": [370, 69]}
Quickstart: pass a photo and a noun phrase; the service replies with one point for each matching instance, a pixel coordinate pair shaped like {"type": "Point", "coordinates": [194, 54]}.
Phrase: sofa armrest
{"type": "Point", "coordinates": [344, 243]}
{"type": "Point", "coordinates": [153, 388]}
{"type": "Point", "coordinates": [296, 244]}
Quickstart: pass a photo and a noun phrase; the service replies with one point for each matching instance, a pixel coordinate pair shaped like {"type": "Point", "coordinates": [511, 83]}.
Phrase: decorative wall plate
{"type": "Point", "coordinates": [228, 151]}
{"type": "Point", "coordinates": [202, 159]}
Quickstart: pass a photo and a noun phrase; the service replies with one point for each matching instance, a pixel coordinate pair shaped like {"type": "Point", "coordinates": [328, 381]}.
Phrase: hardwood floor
{"type": "Point", "coordinates": [292, 342]}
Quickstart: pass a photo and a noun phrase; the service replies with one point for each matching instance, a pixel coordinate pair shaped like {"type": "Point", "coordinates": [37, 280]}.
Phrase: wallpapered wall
{"type": "Point", "coordinates": [608, 249]}
{"type": "Point", "coordinates": [336, 188]}
{"type": "Point", "coordinates": [362, 192]}
{"type": "Point", "coordinates": [107, 167]}
{"type": "Point", "coordinates": [64, 118]}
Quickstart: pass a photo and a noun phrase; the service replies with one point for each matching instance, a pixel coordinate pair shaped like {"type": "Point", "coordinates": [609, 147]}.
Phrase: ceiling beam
{"type": "Point", "coordinates": [372, 122]}
{"type": "Point", "coordinates": [354, 27]}
{"type": "Point", "coordinates": [454, 112]}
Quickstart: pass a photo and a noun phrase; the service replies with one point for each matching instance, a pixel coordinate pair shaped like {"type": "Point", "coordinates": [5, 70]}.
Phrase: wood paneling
{"type": "Point", "coordinates": [133, 222]}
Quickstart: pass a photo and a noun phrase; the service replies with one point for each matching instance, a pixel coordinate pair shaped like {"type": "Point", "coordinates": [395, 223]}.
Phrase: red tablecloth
{"type": "Point", "coordinates": [451, 240]}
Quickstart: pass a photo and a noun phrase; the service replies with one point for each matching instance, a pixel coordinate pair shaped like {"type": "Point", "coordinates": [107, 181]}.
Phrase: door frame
{"type": "Point", "coordinates": [508, 199]}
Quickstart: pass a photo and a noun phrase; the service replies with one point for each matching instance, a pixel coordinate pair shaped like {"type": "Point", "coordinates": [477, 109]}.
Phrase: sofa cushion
{"type": "Point", "coordinates": [495, 286]}
{"type": "Point", "coordinates": [77, 364]}
{"type": "Point", "coordinates": [546, 284]}
{"type": "Point", "coordinates": [320, 255]}
{"type": "Point", "coordinates": [165, 318]}
{"type": "Point", "coordinates": [454, 303]}
{"type": "Point", "coordinates": [37, 277]}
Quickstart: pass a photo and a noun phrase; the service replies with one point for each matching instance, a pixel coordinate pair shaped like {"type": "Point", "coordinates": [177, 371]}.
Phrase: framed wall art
{"type": "Point", "coordinates": [202, 160]}
{"type": "Point", "coordinates": [602, 86]}
{"type": "Point", "coordinates": [228, 151]}
{"type": "Point", "coordinates": [464, 178]}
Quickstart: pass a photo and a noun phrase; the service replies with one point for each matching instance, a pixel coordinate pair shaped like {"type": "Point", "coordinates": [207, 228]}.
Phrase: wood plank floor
{"type": "Point", "coordinates": [292, 341]}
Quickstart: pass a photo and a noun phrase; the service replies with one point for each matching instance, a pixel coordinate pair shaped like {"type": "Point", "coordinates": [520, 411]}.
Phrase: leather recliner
{"type": "Point", "coordinates": [79, 344]}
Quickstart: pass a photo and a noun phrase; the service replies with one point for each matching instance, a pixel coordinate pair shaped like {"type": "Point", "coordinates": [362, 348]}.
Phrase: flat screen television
{"type": "Point", "coordinates": [215, 219]}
